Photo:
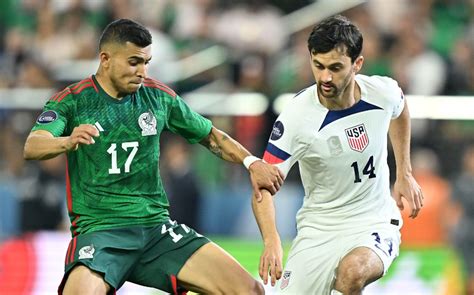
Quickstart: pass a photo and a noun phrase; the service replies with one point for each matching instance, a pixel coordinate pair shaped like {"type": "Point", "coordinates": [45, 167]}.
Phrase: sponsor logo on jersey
{"type": "Point", "coordinates": [147, 122]}
{"type": "Point", "coordinates": [285, 279]}
{"type": "Point", "coordinates": [277, 131]}
{"type": "Point", "coordinates": [47, 117]}
{"type": "Point", "coordinates": [334, 145]}
{"type": "Point", "coordinates": [357, 137]}
{"type": "Point", "coordinates": [86, 252]}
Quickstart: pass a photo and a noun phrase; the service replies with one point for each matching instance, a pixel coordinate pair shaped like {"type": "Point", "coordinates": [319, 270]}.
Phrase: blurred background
{"type": "Point", "coordinates": [236, 62]}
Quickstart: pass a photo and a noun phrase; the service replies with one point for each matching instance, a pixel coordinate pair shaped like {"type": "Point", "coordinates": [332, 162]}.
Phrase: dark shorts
{"type": "Point", "coordinates": [150, 256]}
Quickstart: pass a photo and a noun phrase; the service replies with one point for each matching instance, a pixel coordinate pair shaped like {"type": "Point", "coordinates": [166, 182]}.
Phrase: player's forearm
{"type": "Point", "coordinates": [264, 212]}
{"type": "Point", "coordinates": [225, 147]}
{"type": "Point", "coordinates": [399, 133]}
{"type": "Point", "coordinates": [43, 146]}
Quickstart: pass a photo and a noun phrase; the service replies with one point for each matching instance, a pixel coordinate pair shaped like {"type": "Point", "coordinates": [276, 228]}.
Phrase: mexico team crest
{"type": "Point", "coordinates": [147, 123]}
{"type": "Point", "coordinates": [357, 138]}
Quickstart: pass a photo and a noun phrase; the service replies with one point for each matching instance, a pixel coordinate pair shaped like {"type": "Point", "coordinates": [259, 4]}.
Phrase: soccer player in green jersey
{"type": "Point", "coordinates": [109, 126]}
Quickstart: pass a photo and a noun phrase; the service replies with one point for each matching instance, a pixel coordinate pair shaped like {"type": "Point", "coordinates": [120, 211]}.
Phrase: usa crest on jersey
{"type": "Point", "coordinates": [357, 137]}
{"type": "Point", "coordinates": [285, 279]}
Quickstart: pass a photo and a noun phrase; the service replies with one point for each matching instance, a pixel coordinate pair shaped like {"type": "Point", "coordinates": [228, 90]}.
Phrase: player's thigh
{"type": "Point", "coordinates": [82, 280]}
{"type": "Point", "coordinates": [212, 270]}
{"type": "Point", "coordinates": [309, 270]}
{"type": "Point", "coordinates": [371, 254]}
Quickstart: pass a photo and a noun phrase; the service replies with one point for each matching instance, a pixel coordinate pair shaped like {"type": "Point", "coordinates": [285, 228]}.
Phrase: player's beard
{"type": "Point", "coordinates": [335, 91]}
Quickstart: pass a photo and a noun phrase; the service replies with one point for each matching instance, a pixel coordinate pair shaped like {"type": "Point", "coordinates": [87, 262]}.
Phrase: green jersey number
{"type": "Point", "coordinates": [113, 153]}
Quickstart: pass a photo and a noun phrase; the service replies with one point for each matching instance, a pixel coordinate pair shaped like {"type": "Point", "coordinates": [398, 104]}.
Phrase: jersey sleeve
{"type": "Point", "coordinates": [187, 123]}
{"type": "Point", "coordinates": [54, 118]}
{"type": "Point", "coordinates": [285, 146]}
{"type": "Point", "coordinates": [394, 97]}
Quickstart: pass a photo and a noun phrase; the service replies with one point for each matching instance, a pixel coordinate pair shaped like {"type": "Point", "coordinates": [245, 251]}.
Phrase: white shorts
{"type": "Point", "coordinates": [314, 256]}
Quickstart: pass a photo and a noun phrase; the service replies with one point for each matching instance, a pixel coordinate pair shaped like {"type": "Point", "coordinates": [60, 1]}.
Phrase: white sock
{"type": "Point", "coordinates": [335, 292]}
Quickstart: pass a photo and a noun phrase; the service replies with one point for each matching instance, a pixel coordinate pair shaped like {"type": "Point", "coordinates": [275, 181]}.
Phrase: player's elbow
{"type": "Point", "coordinates": [28, 152]}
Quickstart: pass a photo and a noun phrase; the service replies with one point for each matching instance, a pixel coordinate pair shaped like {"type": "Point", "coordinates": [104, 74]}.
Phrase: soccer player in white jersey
{"type": "Point", "coordinates": [348, 225]}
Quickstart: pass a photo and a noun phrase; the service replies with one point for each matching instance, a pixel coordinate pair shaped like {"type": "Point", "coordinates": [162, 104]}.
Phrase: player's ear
{"type": "Point", "coordinates": [358, 63]}
{"type": "Point", "coordinates": [104, 57]}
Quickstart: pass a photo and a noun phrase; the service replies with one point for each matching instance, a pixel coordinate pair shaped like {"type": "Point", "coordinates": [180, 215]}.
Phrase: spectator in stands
{"type": "Point", "coordinates": [430, 228]}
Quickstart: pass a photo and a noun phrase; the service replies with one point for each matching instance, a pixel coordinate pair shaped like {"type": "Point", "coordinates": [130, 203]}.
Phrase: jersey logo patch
{"type": "Point", "coordinates": [357, 138]}
{"type": "Point", "coordinates": [86, 252]}
{"type": "Point", "coordinates": [277, 131]}
{"type": "Point", "coordinates": [47, 117]}
{"type": "Point", "coordinates": [285, 279]}
{"type": "Point", "coordinates": [334, 145]}
{"type": "Point", "coordinates": [147, 122]}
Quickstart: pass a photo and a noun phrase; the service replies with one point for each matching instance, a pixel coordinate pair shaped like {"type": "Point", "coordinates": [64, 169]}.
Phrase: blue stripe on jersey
{"type": "Point", "coordinates": [274, 150]}
{"type": "Point", "coordinates": [359, 107]}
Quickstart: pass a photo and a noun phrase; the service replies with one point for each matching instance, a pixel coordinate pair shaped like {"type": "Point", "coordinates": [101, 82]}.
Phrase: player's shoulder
{"type": "Point", "coordinates": [150, 84]}
{"type": "Point", "coordinates": [72, 91]}
{"type": "Point", "coordinates": [301, 108]}
{"type": "Point", "coordinates": [377, 83]}
{"type": "Point", "coordinates": [301, 100]}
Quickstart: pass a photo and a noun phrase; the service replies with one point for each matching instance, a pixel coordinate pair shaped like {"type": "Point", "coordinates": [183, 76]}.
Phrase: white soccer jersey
{"type": "Point", "coordinates": [342, 155]}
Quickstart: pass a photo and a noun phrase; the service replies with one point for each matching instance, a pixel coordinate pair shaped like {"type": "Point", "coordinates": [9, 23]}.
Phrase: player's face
{"type": "Point", "coordinates": [128, 67]}
{"type": "Point", "coordinates": [334, 72]}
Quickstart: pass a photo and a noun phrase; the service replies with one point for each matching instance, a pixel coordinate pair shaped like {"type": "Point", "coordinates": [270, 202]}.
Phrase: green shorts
{"type": "Point", "coordinates": [149, 256]}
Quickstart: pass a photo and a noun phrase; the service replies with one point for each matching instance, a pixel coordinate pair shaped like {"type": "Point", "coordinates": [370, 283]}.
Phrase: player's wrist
{"type": "Point", "coordinates": [249, 160]}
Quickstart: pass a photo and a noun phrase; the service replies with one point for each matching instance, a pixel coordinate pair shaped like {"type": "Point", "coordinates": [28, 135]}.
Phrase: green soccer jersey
{"type": "Point", "coordinates": [116, 181]}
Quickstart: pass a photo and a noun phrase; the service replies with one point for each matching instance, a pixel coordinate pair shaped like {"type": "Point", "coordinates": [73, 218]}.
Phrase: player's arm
{"type": "Point", "coordinates": [262, 174]}
{"type": "Point", "coordinates": [272, 255]}
{"type": "Point", "coordinates": [42, 145]}
{"type": "Point", "coordinates": [405, 185]}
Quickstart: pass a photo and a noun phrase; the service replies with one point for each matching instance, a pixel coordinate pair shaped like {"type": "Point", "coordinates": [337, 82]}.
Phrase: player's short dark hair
{"type": "Point", "coordinates": [124, 30]}
{"type": "Point", "coordinates": [333, 32]}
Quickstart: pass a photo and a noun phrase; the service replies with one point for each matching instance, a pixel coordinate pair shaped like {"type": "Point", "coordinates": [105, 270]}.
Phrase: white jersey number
{"type": "Point", "coordinates": [113, 153]}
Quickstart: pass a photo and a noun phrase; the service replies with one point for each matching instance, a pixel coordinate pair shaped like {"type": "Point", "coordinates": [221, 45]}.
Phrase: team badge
{"type": "Point", "coordinates": [285, 280]}
{"type": "Point", "coordinates": [86, 252]}
{"type": "Point", "coordinates": [357, 138]}
{"type": "Point", "coordinates": [147, 122]}
{"type": "Point", "coordinates": [277, 131]}
{"type": "Point", "coordinates": [47, 117]}
{"type": "Point", "coordinates": [334, 145]}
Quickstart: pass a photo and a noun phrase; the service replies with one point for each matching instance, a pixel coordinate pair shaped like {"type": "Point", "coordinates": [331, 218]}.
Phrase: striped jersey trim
{"type": "Point", "coordinates": [157, 84]}
{"type": "Point", "coordinates": [76, 89]}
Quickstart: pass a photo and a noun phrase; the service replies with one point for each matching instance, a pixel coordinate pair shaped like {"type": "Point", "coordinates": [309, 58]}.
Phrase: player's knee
{"type": "Point", "coordinates": [82, 280]}
{"type": "Point", "coordinates": [257, 288]}
{"type": "Point", "coordinates": [351, 275]}
{"type": "Point", "coordinates": [252, 288]}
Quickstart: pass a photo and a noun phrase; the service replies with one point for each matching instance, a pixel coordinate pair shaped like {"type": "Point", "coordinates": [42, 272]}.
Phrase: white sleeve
{"type": "Point", "coordinates": [395, 99]}
{"type": "Point", "coordinates": [285, 146]}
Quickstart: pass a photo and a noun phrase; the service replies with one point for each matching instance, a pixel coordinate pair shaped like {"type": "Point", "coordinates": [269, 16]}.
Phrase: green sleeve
{"type": "Point", "coordinates": [54, 118]}
{"type": "Point", "coordinates": [187, 123]}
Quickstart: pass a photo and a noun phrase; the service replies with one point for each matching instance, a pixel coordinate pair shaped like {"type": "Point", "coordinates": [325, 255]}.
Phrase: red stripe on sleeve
{"type": "Point", "coordinates": [271, 159]}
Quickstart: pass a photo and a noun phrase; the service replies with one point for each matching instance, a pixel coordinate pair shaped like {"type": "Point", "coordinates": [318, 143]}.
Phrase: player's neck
{"type": "Point", "coordinates": [347, 99]}
{"type": "Point", "coordinates": [106, 85]}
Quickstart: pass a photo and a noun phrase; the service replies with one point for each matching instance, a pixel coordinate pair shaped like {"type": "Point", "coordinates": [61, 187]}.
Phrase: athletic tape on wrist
{"type": "Point", "coordinates": [249, 160]}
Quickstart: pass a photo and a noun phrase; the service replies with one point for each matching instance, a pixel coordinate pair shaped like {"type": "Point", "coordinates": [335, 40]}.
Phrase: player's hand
{"type": "Point", "coordinates": [406, 187]}
{"type": "Point", "coordinates": [82, 134]}
{"type": "Point", "coordinates": [271, 262]}
{"type": "Point", "coordinates": [265, 176]}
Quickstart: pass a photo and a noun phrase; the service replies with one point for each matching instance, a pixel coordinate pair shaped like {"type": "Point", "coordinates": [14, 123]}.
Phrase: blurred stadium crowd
{"type": "Point", "coordinates": [426, 45]}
